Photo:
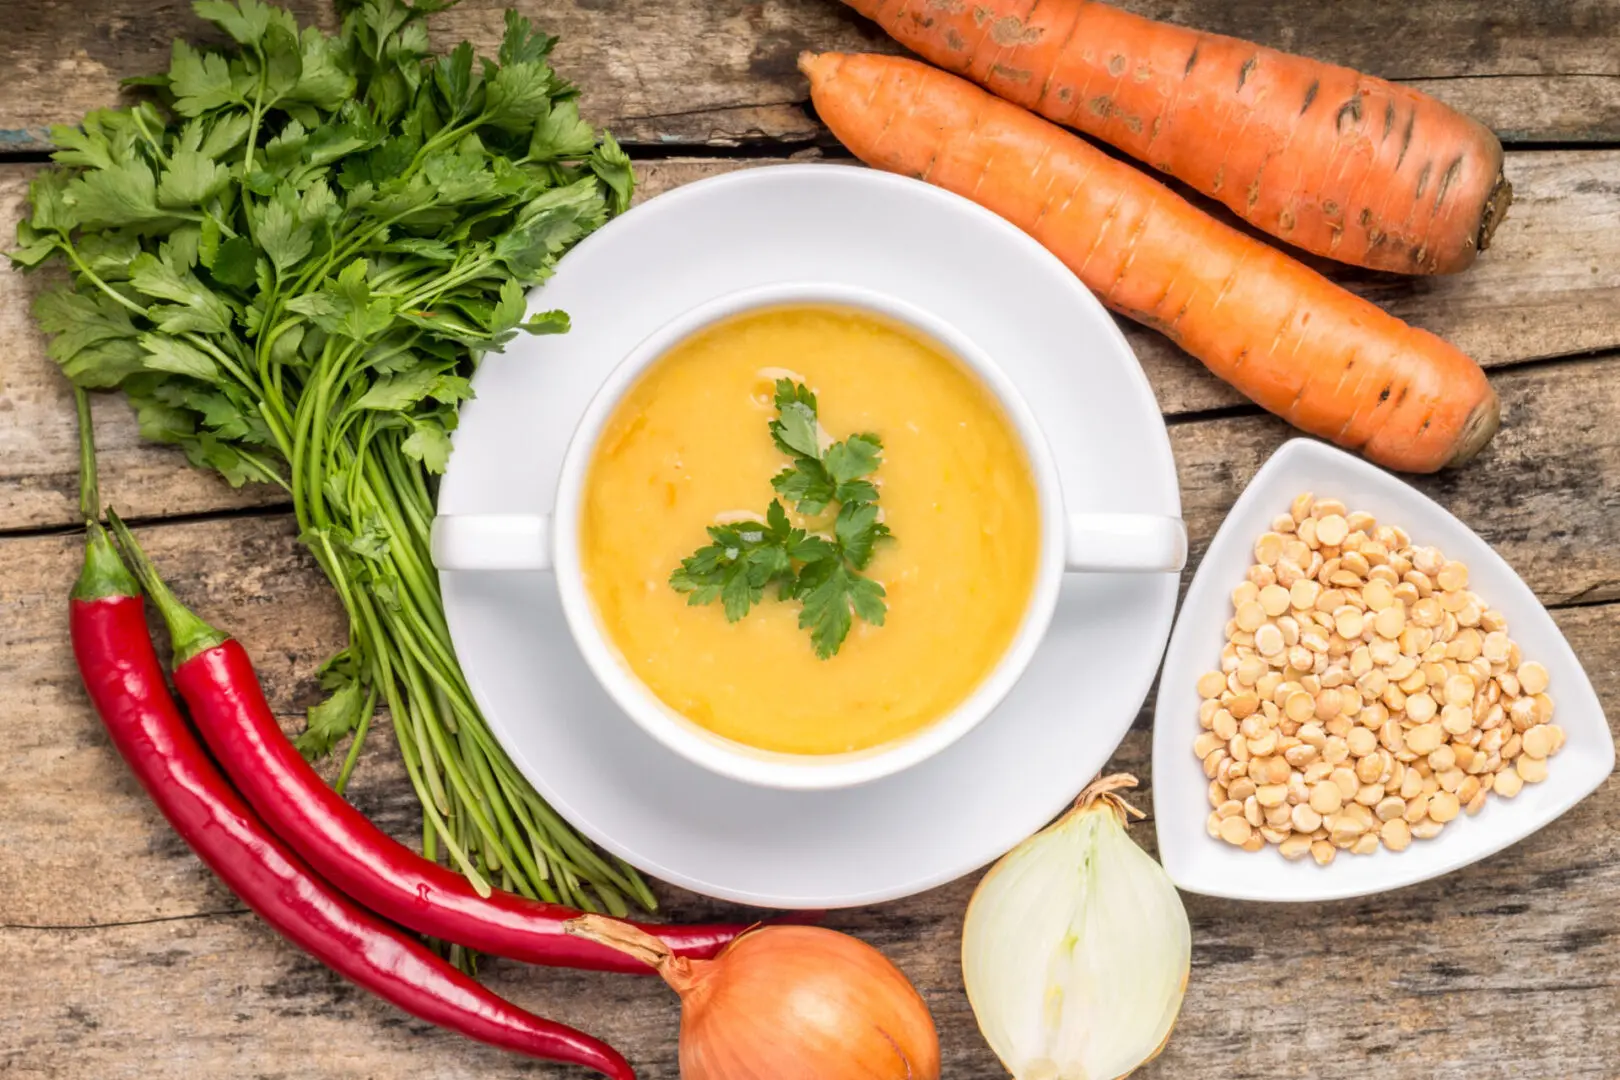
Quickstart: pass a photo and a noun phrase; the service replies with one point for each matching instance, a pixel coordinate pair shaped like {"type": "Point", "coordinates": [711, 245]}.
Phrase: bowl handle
{"type": "Point", "coordinates": [1125, 543]}
{"type": "Point", "coordinates": [491, 542]}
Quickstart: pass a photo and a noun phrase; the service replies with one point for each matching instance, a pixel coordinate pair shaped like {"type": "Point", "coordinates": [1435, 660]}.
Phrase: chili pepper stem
{"type": "Point", "coordinates": [678, 971]}
{"type": "Point", "coordinates": [189, 635]}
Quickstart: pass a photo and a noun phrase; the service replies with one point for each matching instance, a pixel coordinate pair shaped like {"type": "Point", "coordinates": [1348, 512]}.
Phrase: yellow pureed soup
{"type": "Point", "coordinates": [689, 446]}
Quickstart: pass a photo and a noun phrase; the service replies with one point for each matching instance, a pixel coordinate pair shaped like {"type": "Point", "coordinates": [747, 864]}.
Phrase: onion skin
{"type": "Point", "coordinates": [804, 1003]}
{"type": "Point", "coordinates": [789, 1003]}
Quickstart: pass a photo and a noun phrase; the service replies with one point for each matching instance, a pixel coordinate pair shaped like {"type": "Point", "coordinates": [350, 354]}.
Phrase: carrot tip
{"type": "Point", "coordinates": [806, 59]}
{"type": "Point", "coordinates": [1480, 427]}
{"type": "Point", "coordinates": [1496, 208]}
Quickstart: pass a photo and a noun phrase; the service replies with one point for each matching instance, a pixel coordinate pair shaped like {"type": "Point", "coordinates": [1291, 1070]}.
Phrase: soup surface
{"type": "Point", "coordinates": [689, 446]}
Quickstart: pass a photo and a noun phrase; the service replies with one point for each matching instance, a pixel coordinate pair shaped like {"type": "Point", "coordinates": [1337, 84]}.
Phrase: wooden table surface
{"type": "Point", "coordinates": [120, 956]}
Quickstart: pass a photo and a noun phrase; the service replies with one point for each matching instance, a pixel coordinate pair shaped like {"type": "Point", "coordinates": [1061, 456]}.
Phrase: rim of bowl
{"type": "Point", "coordinates": [736, 760]}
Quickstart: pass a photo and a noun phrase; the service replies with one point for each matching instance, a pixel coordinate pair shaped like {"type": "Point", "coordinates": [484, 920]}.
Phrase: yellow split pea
{"type": "Point", "coordinates": [688, 446]}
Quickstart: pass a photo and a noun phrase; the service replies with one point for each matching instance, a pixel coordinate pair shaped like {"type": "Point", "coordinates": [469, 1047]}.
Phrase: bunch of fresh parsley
{"type": "Point", "coordinates": [821, 572]}
{"type": "Point", "coordinates": [290, 260]}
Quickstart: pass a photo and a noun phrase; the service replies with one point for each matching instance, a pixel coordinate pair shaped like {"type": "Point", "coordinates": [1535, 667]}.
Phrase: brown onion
{"type": "Point", "coordinates": [788, 1003]}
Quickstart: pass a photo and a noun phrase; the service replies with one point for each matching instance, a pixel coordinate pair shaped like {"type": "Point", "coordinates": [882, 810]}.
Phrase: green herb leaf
{"type": "Point", "coordinates": [327, 724]}
{"type": "Point", "coordinates": [547, 322]}
{"type": "Point", "coordinates": [737, 565]}
{"type": "Point", "coordinates": [858, 530]}
{"type": "Point", "coordinates": [612, 166]}
{"type": "Point", "coordinates": [94, 340]}
{"type": "Point", "coordinates": [191, 178]}
{"type": "Point", "coordinates": [741, 561]}
{"type": "Point", "coordinates": [546, 225]}
{"type": "Point", "coordinates": [517, 95]}
{"type": "Point", "coordinates": [33, 247]}
{"type": "Point", "coordinates": [855, 457]}
{"type": "Point", "coordinates": [164, 353]}
{"type": "Point", "coordinates": [110, 255]}
{"type": "Point", "coordinates": [161, 279]}
{"type": "Point", "coordinates": [284, 238]}
{"type": "Point", "coordinates": [559, 133]}
{"type": "Point", "coordinates": [235, 263]}
{"type": "Point", "coordinates": [324, 80]}
{"type": "Point", "coordinates": [522, 43]}
{"type": "Point", "coordinates": [795, 432]}
{"type": "Point", "coordinates": [429, 443]}
{"type": "Point", "coordinates": [246, 21]}
{"type": "Point", "coordinates": [201, 82]}
{"type": "Point", "coordinates": [125, 194]}
{"type": "Point", "coordinates": [398, 393]}
{"type": "Point", "coordinates": [47, 195]}
{"type": "Point", "coordinates": [455, 79]}
{"type": "Point", "coordinates": [225, 134]}
{"type": "Point", "coordinates": [806, 485]}
{"type": "Point", "coordinates": [829, 602]}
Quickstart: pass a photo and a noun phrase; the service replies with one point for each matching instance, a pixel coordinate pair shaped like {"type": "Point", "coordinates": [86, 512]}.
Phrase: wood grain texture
{"type": "Point", "coordinates": [721, 72]}
{"type": "Point", "coordinates": [1549, 287]}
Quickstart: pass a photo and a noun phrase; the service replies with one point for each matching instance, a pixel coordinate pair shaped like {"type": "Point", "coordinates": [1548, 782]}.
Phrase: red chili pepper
{"type": "Point", "coordinates": [121, 672]}
{"type": "Point", "coordinates": [217, 681]}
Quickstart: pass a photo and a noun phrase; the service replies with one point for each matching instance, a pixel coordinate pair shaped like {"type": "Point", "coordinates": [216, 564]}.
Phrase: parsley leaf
{"type": "Point", "coordinates": [191, 177]}
{"type": "Point", "coordinates": [806, 485]}
{"type": "Point", "coordinates": [829, 602]}
{"type": "Point", "coordinates": [125, 194]}
{"type": "Point", "coordinates": [559, 133]}
{"type": "Point", "coordinates": [200, 82]}
{"type": "Point", "coordinates": [855, 457]}
{"type": "Point", "coordinates": [821, 572]}
{"type": "Point", "coordinates": [795, 430]}
{"type": "Point", "coordinates": [858, 529]}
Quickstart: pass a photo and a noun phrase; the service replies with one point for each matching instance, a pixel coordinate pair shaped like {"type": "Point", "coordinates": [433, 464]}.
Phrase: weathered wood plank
{"type": "Point", "coordinates": [1543, 496]}
{"type": "Point", "coordinates": [1549, 287]}
{"type": "Point", "coordinates": [673, 72]}
{"type": "Point", "coordinates": [1510, 961]}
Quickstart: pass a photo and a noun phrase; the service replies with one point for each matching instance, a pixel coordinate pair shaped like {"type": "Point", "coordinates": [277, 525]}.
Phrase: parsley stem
{"type": "Point", "coordinates": [224, 226]}
{"type": "Point", "coordinates": [477, 268]}
{"type": "Point", "coordinates": [434, 732]}
{"type": "Point", "coordinates": [251, 143]}
{"type": "Point", "coordinates": [95, 280]}
{"type": "Point", "coordinates": [265, 472]}
{"type": "Point", "coordinates": [503, 816]}
{"type": "Point", "coordinates": [364, 618]}
{"type": "Point", "coordinates": [224, 358]}
{"type": "Point", "coordinates": [146, 135]}
{"type": "Point", "coordinates": [359, 740]}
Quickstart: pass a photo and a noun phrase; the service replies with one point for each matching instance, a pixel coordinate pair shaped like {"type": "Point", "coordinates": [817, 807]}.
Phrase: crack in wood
{"type": "Point", "coordinates": [223, 913]}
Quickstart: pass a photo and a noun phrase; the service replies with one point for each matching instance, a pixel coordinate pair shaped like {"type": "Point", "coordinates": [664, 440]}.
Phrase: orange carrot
{"type": "Point", "coordinates": [1322, 358]}
{"type": "Point", "coordinates": [1336, 162]}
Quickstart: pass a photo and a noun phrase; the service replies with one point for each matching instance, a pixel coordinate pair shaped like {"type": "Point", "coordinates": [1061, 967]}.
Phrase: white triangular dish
{"type": "Point", "coordinates": [1201, 864]}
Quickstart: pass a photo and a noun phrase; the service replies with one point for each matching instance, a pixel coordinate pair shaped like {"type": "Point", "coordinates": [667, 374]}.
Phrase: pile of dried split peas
{"type": "Point", "coordinates": [1365, 695]}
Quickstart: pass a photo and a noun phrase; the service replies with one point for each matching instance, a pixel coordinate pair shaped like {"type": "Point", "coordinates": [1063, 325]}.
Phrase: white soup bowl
{"type": "Point", "coordinates": [1094, 543]}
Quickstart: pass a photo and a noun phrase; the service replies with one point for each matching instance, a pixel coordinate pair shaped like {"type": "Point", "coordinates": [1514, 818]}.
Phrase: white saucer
{"type": "Point", "coordinates": [950, 814]}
